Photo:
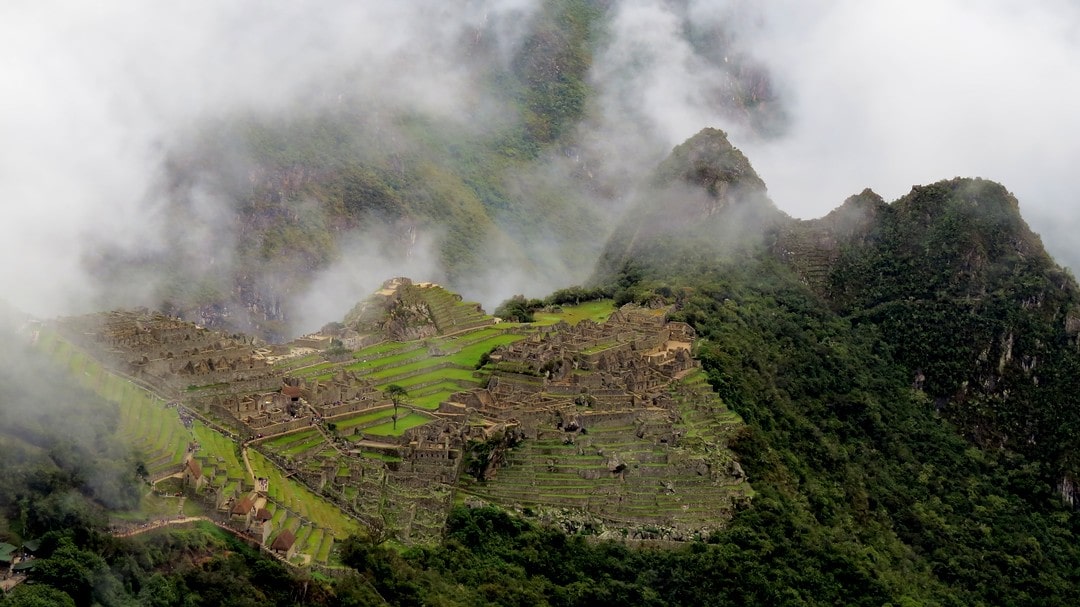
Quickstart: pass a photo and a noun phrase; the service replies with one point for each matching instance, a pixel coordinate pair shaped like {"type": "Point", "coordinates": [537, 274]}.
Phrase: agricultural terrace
{"type": "Point", "coordinates": [218, 456]}
{"type": "Point", "coordinates": [370, 418]}
{"type": "Point", "coordinates": [431, 379]}
{"type": "Point", "coordinates": [295, 443]}
{"type": "Point", "coordinates": [153, 430]}
{"type": "Point", "coordinates": [597, 311]}
{"type": "Point", "coordinates": [296, 504]}
{"type": "Point", "coordinates": [389, 428]}
{"type": "Point", "coordinates": [157, 432]}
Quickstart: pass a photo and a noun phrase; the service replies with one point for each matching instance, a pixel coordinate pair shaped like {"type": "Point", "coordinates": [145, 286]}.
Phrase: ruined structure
{"type": "Point", "coordinates": [601, 422]}
{"type": "Point", "coordinates": [171, 355]}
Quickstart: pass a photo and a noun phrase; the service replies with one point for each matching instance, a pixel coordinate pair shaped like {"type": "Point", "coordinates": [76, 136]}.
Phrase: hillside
{"type": "Point", "coordinates": [264, 212]}
{"type": "Point", "coordinates": [908, 371]}
{"type": "Point", "coordinates": [704, 203]}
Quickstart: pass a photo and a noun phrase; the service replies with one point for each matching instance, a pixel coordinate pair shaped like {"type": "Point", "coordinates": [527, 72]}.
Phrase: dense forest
{"type": "Point", "coordinates": [867, 493]}
{"type": "Point", "coordinates": [906, 370]}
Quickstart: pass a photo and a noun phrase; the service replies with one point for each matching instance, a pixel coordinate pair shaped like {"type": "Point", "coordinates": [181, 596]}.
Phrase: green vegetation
{"type": "Point", "coordinates": [352, 422]}
{"type": "Point", "coordinates": [909, 396]}
{"type": "Point", "coordinates": [596, 311]}
{"type": "Point", "coordinates": [155, 432]}
{"type": "Point", "coordinates": [218, 451]}
{"type": "Point", "coordinates": [398, 427]}
{"type": "Point", "coordinates": [299, 499]}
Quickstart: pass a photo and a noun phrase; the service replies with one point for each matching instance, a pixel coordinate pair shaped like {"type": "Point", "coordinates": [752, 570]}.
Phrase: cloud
{"type": "Point", "coordinates": [96, 97]}
{"type": "Point", "coordinates": [842, 95]}
{"type": "Point", "coordinates": [359, 271]}
{"type": "Point", "coordinates": [876, 94]}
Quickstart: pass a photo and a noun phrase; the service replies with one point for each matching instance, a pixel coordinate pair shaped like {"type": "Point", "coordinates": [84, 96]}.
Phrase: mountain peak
{"type": "Point", "coordinates": [705, 202]}
{"type": "Point", "coordinates": [708, 160]}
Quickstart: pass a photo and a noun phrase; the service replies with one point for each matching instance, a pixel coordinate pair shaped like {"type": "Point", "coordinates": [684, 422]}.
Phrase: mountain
{"type": "Point", "coordinates": [703, 203]}
{"type": "Point", "coordinates": [905, 372]}
{"type": "Point", "coordinates": [513, 190]}
{"type": "Point", "coordinates": [961, 289]}
{"type": "Point", "coordinates": [908, 371]}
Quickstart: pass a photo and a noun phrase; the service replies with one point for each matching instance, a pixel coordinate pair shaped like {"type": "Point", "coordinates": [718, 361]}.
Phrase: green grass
{"type": "Point", "coordinates": [300, 361]}
{"type": "Point", "coordinates": [313, 369]}
{"type": "Point", "coordinates": [301, 500]}
{"type": "Point", "coordinates": [432, 401]}
{"type": "Point", "coordinates": [352, 422]}
{"type": "Point", "coordinates": [415, 350]}
{"type": "Point", "coordinates": [304, 446]}
{"type": "Point", "coordinates": [408, 368]}
{"type": "Point", "coordinates": [281, 442]}
{"type": "Point", "coordinates": [450, 373]}
{"type": "Point", "coordinates": [219, 450]}
{"type": "Point", "coordinates": [597, 311]}
{"type": "Point", "coordinates": [379, 349]}
{"type": "Point", "coordinates": [388, 429]}
{"type": "Point", "coordinates": [476, 334]}
{"type": "Point", "coordinates": [470, 355]}
{"type": "Point", "coordinates": [323, 555]}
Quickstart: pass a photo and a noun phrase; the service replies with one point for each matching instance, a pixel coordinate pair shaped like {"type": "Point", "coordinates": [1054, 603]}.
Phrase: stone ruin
{"type": "Point", "coordinates": [561, 383]}
{"type": "Point", "coordinates": [169, 354]}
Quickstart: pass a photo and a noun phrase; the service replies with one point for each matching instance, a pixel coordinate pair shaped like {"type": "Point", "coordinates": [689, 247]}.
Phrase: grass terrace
{"type": "Point", "coordinates": [597, 311]}
{"type": "Point", "coordinates": [388, 428]}
{"type": "Point", "coordinates": [470, 355]}
{"type": "Point", "coordinates": [303, 446]}
{"type": "Point", "coordinates": [439, 375]}
{"type": "Point", "coordinates": [432, 400]}
{"type": "Point", "coordinates": [301, 500]}
{"type": "Point", "coordinates": [370, 362]}
{"type": "Point", "coordinates": [352, 422]}
{"type": "Point", "coordinates": [283, 441]}
{"type": "Point", "coordinates": [297, 362]}
{"type": "Point", "coordinates": [381, 349]}
{"type": "Point", "coordinates": [218, 450]}
{"type": "Point", "coordinates": [419, 365]}
{"type": "Point", "coordinates": [144, 423]}
{"type": "Point", "coordinates": [313, 370]}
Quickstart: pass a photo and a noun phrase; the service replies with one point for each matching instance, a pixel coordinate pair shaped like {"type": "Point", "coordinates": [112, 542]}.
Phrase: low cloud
{"type": "Point", "coordinates": [874, 94]}
{"type": "Point", "coordinates": [97, 96]}
{"type": "Point", "coordinates": [825, 97]}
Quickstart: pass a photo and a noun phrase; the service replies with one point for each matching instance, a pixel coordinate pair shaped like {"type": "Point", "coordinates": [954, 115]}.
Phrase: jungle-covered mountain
{"type": "Point", "coordinates": [906, 369]}
{"type": "Point", "coordinates": [906, 372]}
{"type": "Point", "coordinates": [515, 190]}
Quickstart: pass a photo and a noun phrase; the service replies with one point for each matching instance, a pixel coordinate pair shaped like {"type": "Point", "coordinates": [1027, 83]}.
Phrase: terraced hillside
{"type": "Point", "coordinates": [163, 437]}
{"type": "Point", "coordinates": [403, 310]}
{"type": "Point", "coordinates": [315, 522]}
{"type": "Point", "coordinates": [624, 476]}
{"type": "Point", "coordinates": [592, 411]}
{"type": "Point", "coordinates": [156, 431]}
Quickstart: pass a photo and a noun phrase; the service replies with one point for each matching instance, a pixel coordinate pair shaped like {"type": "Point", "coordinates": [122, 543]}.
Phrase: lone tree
{"type": "Point", "coordinates": [397, 394]}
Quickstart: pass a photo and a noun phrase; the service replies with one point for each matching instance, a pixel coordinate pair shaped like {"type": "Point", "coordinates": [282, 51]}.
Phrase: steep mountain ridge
{"type": "Point", "coordinates": [962, 290]}
{"type": "Point", "coordinates": [908, 374]}
{"type": "Point", "coordinates": [704, 202]}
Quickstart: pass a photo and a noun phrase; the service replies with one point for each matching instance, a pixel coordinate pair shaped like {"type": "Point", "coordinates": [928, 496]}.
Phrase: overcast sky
{"type": "Point", "coordinates": [883, 94]}
{"type": "Point", "coordinates": [892, 93]}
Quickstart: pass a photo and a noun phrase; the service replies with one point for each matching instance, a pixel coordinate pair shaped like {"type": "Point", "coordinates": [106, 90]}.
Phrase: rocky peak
{"type": "Point", "coordinates": [707, 161]}
{"type": "Point", "coordinates": [705, 202]}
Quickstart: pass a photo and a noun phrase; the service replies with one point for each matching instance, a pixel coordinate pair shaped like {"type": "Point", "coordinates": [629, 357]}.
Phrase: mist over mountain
{"type": "Point", "coordinates": [527, 124]}
{"type": "Point", "coordinates": [863, 211]}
